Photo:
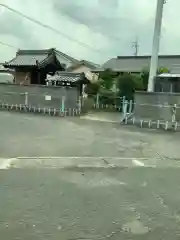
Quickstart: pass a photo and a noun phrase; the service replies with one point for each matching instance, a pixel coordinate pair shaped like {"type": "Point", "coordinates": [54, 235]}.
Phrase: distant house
{"type": "Point", "coordinates": [32, 66]}
{"type": "Point", "coordinates": [135, 64]}
{"type": "Point", "coordinates": [85, 67]}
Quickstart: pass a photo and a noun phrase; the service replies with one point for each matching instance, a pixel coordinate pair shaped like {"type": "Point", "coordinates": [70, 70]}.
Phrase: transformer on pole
{"type": "Point", "coordinates": [156, 42]}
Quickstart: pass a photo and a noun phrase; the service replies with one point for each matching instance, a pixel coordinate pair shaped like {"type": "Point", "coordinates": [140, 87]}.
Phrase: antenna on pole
{"type": "Point", "coordinates": [135, 46]}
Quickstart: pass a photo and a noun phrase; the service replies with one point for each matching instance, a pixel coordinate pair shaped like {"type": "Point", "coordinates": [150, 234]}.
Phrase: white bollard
{"type": "Point", "coordinates": [133, 120]}
{"type": "Point", "coordinates": [97, 100]}
{"type": "Point", "coordinates": [166, 125]}
{"type": "Point", "coordinates": [126, 120]}
{"type": "Point", "coordinates": [130, 106]}
{"type": "Point", "coordinates": [149, 124]}
{"type": "Point", "coordinates": [26, 98]}
{"type": "Point", "coordinates": [158, 124]}
{"type": "Point", "coordinates": [175, 126]}
{"type": "Point", "coordinates": [141, 123]}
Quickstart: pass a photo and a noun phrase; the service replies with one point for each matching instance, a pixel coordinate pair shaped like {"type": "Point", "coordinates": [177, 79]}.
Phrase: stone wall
{"type": "Point", "coordinates": [36, 96]}
{"type": "Point", "coordinates": [156, 106]}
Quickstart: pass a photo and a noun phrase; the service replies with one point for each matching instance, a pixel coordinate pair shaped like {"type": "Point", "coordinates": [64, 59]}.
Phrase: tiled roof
{"type": "Point", "coordinates": [68, 77]}
{"type": "Point", "coordinates": [137, 63]}
{"type": "Point", "coordinates": [32, 57]}
{"type": "Point", "coordinates": [27, 60]}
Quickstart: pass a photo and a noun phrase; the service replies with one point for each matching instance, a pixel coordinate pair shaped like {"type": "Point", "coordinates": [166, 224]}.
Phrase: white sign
{"type": "Point", "coordinates": [48, 98]}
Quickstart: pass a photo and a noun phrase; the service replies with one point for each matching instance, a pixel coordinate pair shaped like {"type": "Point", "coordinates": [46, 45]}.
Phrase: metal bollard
{"type": "Point", "coordinates": [149, 124]}
{"type": "Point", "coordinates": [63, 104]}
{"type": "Point", "coordinates": [141, 123]}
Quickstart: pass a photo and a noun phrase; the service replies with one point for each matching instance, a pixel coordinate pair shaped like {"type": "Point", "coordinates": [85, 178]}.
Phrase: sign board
{"type": "Point", "coordinates": [48, 98]}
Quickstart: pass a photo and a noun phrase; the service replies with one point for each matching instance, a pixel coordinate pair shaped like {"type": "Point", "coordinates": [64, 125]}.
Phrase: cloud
{"type": "Point", "coordinates": [108, 27]}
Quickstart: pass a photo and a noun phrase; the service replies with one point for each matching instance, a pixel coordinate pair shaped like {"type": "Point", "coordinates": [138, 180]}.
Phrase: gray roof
{"type": "Point", "coordinates": [27, 60]}
{"type": "Point", "coordinates": [34, 57]}
{"type": "Point", "coordinates": [137, 63]}
{"type": "Point", "coordinates": [68, 77]}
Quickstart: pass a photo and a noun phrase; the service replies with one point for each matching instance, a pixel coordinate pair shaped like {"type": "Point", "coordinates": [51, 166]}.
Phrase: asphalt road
{"type": "Point", "coordinates": [28, 135]}
{"type": "Point", "coordinates": [119, 182]}
{"type": "Point", "coordinates": [124, 203]}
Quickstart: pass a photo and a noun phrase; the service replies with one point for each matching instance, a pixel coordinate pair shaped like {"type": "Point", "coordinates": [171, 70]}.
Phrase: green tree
{"type": "Point", "coordinates": [92, 88]}
{"type": "Point", "coordinates": [126, 86]}
{"type": "Point", "coordinates": [138, 82]}
{"type": "Point", "coordinates": [145, 75]}
{"type": "Point", "coordinates": [107, 78]}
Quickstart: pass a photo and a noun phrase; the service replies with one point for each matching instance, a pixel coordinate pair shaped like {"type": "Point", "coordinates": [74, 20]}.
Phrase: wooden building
{"type": "Point", "coordinates": [32, 66]}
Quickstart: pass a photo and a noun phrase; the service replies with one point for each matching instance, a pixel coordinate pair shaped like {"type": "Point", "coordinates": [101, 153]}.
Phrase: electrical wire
{"type": "Point", "coordinates": [8, 45]}
{"type": "Point", "coordinates": [52, 29]}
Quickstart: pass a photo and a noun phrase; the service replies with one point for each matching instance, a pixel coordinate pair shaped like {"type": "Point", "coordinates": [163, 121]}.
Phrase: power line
{"type": "Point", "coordinates": [8, 45]}
{"type": "Point", "coordinates": [51, 28]}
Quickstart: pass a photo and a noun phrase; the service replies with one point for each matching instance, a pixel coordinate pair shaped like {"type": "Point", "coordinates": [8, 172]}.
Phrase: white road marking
{"type": "Point", "coordinates": [138, 163]}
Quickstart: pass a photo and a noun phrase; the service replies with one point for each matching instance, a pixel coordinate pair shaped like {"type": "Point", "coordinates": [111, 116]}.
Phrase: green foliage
{"type": "Point", "coordinates": [107, 97]}
{"type": "Point", "coordinates": [126, 86]}
{"type": "Point", "coordinates": [107, 78]}
{"type": "Point", "coordinates": [162, 70]}
{"type": "Point", "coordinates": [145, 75]}
{"type": "Point", "coordinates": [138, 82]}
{"type": "Point", "coordinates": [92, 88]}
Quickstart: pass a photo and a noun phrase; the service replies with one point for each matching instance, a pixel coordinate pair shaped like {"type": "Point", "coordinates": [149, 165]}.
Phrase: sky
{"type": "Point", "coordinates": [95, 30]}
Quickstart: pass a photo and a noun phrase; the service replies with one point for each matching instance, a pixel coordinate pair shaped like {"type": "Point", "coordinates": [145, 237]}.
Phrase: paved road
{"type": "Point", "coordinates": [27, 135]}
{"type": "Point", "coordinates": [119, 182]}
{"type": "Point", "coordinates": [118, 203]}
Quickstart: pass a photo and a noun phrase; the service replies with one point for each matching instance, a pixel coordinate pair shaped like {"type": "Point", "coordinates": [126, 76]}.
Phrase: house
{"type": "Point", "coordinates": [135, 64]}
{"type": "Point", "coordinates": [85, 67]}
{"type": "Point", "coordinates": [32, 66]}
{"type": "Point", "coordinates": [167, 82]}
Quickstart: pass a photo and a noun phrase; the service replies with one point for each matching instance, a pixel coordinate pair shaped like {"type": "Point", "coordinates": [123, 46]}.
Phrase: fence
{"type": "Point", "coordinates": [160, 116]}
{"type": "Point", "coordinates": [47, 104]}
{"type": "Point", "coordinates": [54, 102]}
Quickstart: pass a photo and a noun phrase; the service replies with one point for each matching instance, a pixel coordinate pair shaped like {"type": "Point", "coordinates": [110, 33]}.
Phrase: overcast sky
{"type": "Point", "coordinates": [108, 26]}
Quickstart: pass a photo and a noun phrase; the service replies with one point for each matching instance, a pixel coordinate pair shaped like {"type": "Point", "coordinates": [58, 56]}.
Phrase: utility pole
{"type": "Point", "coordinates": [135, 46]}
{"type": "Point", "coordinates": [156, 42]}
